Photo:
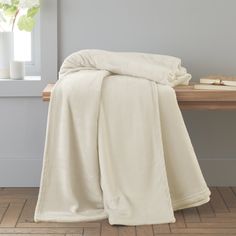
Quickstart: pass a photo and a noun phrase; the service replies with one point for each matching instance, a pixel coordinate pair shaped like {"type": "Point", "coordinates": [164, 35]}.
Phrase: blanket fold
{"type": "Point", "coordinates": [117, 146]}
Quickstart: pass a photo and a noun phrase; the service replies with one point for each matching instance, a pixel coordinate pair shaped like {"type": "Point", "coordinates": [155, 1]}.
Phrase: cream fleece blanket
{"type": "Point", "coordinates": [117, 146]}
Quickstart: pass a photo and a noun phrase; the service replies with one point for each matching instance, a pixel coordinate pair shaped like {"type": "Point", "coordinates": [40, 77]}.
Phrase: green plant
{"type": "Point", "coordinates": [20, 12]}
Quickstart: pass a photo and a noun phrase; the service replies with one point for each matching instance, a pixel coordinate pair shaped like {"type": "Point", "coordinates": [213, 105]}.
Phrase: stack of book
{"type": "Point", "coordinates": [217, 83]}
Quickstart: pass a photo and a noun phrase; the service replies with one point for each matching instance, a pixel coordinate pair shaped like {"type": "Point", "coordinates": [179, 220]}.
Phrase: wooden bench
{"type": "Point", "coordinates": [189, 98]}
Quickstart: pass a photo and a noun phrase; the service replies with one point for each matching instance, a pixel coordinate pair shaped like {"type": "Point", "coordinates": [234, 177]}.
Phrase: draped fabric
{"type": "Point", "coordinates": [117, 146]}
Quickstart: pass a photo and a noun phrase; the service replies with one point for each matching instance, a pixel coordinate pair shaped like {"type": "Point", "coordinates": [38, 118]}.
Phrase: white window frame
{"type": "Point", "coordinates": [32, 86]}
{"type": "Point", "coordinates": [33, 68]}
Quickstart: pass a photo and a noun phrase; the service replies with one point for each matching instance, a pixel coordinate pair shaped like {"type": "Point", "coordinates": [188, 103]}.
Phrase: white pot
{"type": "Point", "coordinates": [17, 70]}
{"type": "Point", "coordinates": [6, 53]}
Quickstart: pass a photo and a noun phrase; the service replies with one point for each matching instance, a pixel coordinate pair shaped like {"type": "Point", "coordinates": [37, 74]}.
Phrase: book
{"type": "Point", "coordinates": [214, 87]}
{"type": "Point", "coordinates": [219, 80]}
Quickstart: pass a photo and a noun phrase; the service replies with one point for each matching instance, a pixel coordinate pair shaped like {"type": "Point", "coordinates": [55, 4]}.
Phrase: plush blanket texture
{"type": "Point", "coordinates": [117, 146]}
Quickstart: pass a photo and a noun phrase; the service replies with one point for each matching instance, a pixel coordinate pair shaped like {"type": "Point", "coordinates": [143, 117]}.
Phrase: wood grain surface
{"type": "Point", "coordinates": [189, 98]}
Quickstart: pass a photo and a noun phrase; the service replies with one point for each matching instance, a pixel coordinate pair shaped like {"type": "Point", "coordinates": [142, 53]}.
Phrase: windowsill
{"type": "Point", "coordinates": [30, 86]}
{"type": "Point", "coordinates": [26, 78]}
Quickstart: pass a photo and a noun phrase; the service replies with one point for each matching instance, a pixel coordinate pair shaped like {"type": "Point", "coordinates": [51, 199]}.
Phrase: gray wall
{"type": "Point", "coordinates": [22, 131]}
{"type": "Point", "coordinates": [201, 32]}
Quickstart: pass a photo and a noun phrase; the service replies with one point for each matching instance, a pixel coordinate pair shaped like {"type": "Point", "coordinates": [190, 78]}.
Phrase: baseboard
{"type": "Point", "coordinates": [26, 172]}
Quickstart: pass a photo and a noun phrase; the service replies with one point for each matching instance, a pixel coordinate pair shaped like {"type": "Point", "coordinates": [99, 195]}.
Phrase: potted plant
{"type": "Point", "coordinates": [14, 13]}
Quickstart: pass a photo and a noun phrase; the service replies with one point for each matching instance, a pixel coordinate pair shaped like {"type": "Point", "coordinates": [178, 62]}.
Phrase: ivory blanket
{"type": "Point", "coordinates": [117, 146]}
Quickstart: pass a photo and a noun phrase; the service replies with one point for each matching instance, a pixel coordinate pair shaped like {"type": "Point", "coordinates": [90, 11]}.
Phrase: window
{"type": "Point", "coordinates": [27, 49]}
{"type": "Point", "coordinates": [23, 46]}
{"type": "Point", "coordinates": [43, 53]}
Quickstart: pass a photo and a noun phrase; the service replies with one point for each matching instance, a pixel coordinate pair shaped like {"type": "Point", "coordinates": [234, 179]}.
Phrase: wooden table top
{"type": "Point", "coordinates": [189, 98]}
